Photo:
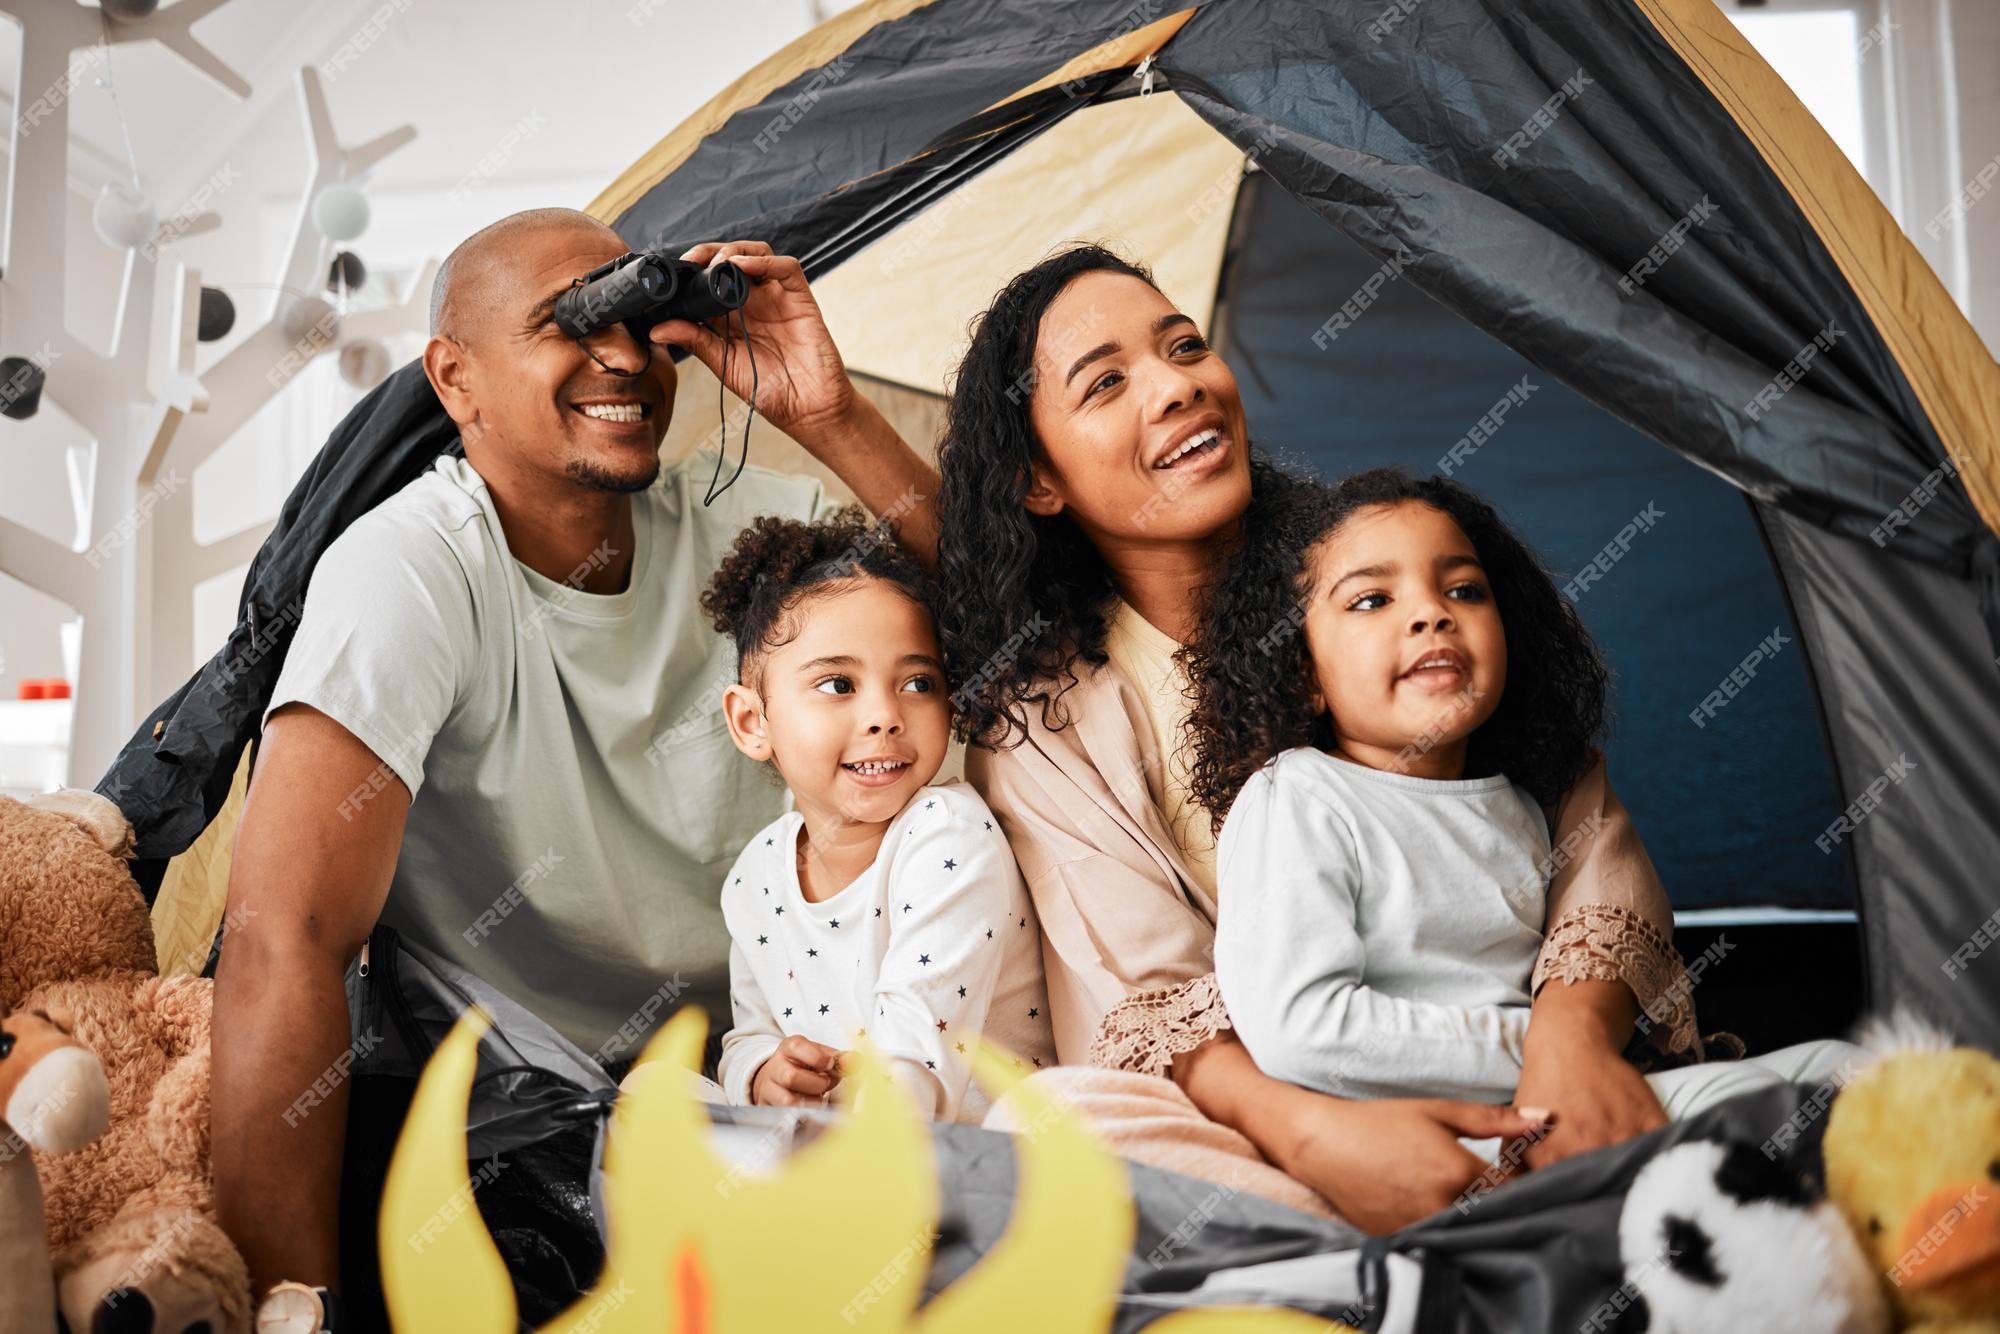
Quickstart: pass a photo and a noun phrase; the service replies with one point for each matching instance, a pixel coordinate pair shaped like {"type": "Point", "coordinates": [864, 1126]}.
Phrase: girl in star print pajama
{"type": "Point", "coordinates": [884, 907]}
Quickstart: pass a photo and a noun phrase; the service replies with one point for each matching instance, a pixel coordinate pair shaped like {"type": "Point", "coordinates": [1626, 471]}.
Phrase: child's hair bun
{"type": "Point", "coordinates": [771, 550]}
{"type": "Point", "coordinates": [775, 559]}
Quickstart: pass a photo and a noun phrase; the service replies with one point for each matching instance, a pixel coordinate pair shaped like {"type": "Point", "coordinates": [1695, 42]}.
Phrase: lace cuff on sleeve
{"type": "Point", "coordinates": [1146, 1030]}
{"type": "Point", "coordinates": [1609, 943]}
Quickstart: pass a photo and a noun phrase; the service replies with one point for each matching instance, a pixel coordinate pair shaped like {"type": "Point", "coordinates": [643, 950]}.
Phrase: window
{"type": "Point", "coordinates": [1824, 49]}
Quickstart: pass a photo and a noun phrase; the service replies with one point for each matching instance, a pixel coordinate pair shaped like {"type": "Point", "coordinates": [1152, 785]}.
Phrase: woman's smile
{"type": "Point", "coordinates": [1196, 451]}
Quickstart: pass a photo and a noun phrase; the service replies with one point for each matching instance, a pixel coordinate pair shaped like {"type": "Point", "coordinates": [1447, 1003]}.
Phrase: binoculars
{"type": "Point", "coordinates": [642, 288]}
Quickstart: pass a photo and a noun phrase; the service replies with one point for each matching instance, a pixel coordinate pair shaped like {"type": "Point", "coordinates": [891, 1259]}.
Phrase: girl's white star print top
{"type": "Point", "coordinates": [931, 947]}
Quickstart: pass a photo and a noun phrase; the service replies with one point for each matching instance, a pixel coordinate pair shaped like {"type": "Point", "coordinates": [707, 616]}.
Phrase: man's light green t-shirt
{"type": "Point", "coordinates": [576, 799]}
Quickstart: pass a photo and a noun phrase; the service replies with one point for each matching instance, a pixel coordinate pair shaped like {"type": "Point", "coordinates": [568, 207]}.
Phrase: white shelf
{"type": "Point", "coordinates": [34, 745]}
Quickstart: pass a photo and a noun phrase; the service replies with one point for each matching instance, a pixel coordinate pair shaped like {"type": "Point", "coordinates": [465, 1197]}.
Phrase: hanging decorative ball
{"type": "Point", "coordinates": [124, 217]}
{"type": "Point", "coordinates": [128, 10]}
{"type": "Point", "coordinates": [341, 211]}
{"type": "Point", "coordinates": [20, 387]}
{"type": "Point", "coordinates": [346, 273]}
{"type": "Point", "coordinates": [311, 318]}
{"type": "Point", "coordinates": [218, 315]}
{"type": "Point", "coordinates": [364, 363]}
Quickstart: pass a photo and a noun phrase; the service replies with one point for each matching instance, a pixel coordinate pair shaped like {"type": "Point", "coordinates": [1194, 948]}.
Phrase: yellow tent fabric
{"type": "Point", "coordinates": [195, 889]}
{"type": "Point", "coordinates": [1954, 376]}
{"type": "Point", "coordinates": [1095, 176]}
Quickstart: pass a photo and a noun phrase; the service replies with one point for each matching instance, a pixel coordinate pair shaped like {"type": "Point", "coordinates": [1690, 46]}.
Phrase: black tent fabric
{"type": "Point", "coordinates": [1727, 810]}
{"type": "Point", "coordinates": [1906, 676]}
{"type": "Point", "coordinates": [172, 776]}
{"type": "Point", "coordinates": [1509, 160]}
{"type": "Point", "coordinates": [1388, 131]}
{"type": "Point", "coordinates": [1393, 144]}
{"type": "Point", "coordinates": [1543, 1252]}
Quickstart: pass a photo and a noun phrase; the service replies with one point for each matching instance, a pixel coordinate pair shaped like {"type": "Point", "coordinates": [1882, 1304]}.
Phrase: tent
{"type": "Point", "coordinates": [1538, 239]}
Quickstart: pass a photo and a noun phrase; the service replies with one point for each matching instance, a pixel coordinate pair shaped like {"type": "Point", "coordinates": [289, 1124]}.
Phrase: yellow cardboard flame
{"type": "Point", "coordinates": [837, 1237]}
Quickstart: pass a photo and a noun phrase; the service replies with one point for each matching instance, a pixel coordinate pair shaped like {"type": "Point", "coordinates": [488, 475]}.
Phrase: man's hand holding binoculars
{"type": "Point", "coordinates": [802, 384]}
{"type": "Point", "coordinates": [721, 295]}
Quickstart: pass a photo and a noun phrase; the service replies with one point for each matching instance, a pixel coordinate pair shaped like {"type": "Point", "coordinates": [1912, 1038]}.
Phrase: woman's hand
{"type": "Point", "coordinates": [1571, 1062]}
{"type": "Point", "coordinates": [1389, 1163]}
{"type": "Point", "coordinates": [802, 384]}
{"type": "Point", "coordinates": [1382, 1165]}
{"type": "Point", "coordinates": [799, 1073]}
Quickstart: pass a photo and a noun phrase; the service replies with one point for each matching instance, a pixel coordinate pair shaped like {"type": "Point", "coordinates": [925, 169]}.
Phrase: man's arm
{"type": "Point", "coordinates": [313, 867]}
{"type": "Point", "coordinates": [886, 475]}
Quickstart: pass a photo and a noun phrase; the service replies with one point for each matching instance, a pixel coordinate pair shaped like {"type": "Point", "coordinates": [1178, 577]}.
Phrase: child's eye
{"type": "Point", "coordinates": [1369, 602]}
{"type": "Point", "coordinates": [835, 685]}
{"type": "Point", "coordinates": [921, 685]}
{"type": "Point", "coordinates": [1192, 343]}
{"type": "Point", "coordinates": [1468, 592]}
{"type": "Point", "coordinates": [1103, 381]}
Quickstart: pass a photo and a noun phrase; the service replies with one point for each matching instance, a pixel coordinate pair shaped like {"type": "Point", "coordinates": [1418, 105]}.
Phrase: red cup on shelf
{"type": "Point", "coordinates": [57, 688]}
{"type": "Point", "coordinates": [32, 690]}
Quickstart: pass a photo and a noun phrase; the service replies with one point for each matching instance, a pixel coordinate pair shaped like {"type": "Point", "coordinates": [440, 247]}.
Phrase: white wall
{"type": "Point", "coordinates": [561, 100]}
{"type": "Point", "coordinates": [1911, 90]}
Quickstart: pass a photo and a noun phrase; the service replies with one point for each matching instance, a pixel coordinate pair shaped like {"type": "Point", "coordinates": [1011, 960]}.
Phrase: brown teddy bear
{"type": "Point", "coordinates": [131, 1217]}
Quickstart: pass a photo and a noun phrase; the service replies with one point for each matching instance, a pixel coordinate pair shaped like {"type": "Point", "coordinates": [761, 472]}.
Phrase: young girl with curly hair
{"type": "Point", "coordinates": [1388, 690]}
{"type": "Point", "coordinates": [885, 906]}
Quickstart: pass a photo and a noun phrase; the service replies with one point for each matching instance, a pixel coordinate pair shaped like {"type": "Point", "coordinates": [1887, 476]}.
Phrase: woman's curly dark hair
{"type": "Point", "coordinates": [1023, 595]}
{"type": "Point", "coordinates": [776, 564]}
{"type": "Point", "coordinates": [1252, 679]}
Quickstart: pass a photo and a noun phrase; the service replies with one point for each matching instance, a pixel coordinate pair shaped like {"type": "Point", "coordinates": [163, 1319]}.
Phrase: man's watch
{"type": "Point", "coordinates": [294, 1308]}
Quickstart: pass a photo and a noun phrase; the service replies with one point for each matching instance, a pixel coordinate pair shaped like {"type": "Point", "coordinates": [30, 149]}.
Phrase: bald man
{"type": "Point", "coordinates": [498, 728]}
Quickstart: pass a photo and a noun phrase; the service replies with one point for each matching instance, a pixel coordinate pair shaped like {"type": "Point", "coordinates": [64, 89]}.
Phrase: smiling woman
{"type": "Point", "coordinates": [1088, 499]}
{"type": "Point", "coordinates": [1095, 459]}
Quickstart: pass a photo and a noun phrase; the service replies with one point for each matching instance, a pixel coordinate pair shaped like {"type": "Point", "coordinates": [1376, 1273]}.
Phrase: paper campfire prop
{"type": "Point", "coordinates": [850, 1218]}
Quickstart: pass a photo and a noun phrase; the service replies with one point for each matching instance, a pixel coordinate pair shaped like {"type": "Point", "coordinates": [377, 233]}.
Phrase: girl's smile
{"type": "Point", "coordinates": [851, 708]}
{"type": "Point", "coordinates": [884, 771]}
{"type": "Point", "coordinates": [1438, 669]}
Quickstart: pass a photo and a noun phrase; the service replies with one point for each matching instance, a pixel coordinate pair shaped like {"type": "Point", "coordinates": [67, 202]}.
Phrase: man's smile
{"type": "Point", "coordinates": [616, 412]}
{"type": "Point", "coordinates": [621, 416]}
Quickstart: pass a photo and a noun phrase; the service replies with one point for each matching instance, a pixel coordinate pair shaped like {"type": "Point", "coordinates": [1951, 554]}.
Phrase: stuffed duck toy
{"type": "Point", "coordinates": [1912, 1155]}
